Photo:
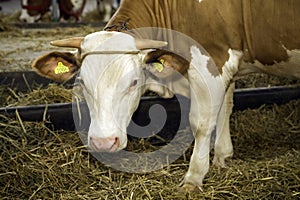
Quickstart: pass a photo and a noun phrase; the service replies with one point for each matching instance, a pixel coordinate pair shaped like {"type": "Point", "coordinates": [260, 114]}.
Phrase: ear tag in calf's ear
{"type": "Point", "coordinates": [61, 68]}
{"type": "Point", "coordinates": [162, 61]}
{"type": "Point", "coordinates": [159, 66]}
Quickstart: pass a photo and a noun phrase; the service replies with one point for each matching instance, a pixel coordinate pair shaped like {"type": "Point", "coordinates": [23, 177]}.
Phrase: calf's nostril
{"type": "Point", "coordinates": [116, 143]}
{"type": "Point", "coordinates": [104, 144]}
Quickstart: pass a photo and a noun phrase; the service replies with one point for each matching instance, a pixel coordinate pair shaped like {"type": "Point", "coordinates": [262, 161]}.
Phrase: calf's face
{"type": "Point", "coordinates": [115, 70]}
{"type": "Point", "coordinates": [113, 84]}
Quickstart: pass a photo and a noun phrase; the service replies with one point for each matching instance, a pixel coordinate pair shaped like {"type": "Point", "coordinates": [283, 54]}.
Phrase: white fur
{"type": "Point", "coordinates": [108, 41]}
{"type": "Point", "coordinates": [77, 4]}
{"type": "Point", "coordinates": [207, 111]}
{"type": "Point", "coordinates": [107, 79]}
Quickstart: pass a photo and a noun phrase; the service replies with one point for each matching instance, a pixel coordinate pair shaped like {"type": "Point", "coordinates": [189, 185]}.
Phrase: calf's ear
{"type": "Point", "coordinates": [163, 64]}
{"type": "Point", "coordinates": [58, 66]}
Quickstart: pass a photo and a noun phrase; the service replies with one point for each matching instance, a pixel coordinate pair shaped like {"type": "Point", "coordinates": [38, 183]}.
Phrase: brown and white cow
{"type": "Point", "coordinates": [241, 37]}
{"type": "Point", "coordinates": [34, 10]}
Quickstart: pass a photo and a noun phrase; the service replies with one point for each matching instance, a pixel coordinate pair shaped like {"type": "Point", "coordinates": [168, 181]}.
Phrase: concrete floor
{"type": "Point", "coordinates": [10, 6]}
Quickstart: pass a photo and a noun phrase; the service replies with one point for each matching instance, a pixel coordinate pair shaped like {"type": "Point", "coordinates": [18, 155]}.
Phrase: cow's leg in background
{"type": "Point", "coordinates": [116, 4]}
{"type": "Point", "coordinates": [105, 8]}
{"type": "Point", "coordinates": [223, 145]}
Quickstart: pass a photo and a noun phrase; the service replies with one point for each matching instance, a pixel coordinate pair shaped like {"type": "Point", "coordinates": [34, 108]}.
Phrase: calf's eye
{"type": "Point", "coordinates": [134, 83]}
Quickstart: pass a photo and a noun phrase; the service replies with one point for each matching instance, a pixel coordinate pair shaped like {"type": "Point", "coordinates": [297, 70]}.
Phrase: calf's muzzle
{"type": "Point", "coordinates": [109, 144]}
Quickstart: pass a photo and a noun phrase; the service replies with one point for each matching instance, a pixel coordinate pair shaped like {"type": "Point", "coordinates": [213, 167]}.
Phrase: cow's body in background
{"type": "Point", "coordinates": [34, 10]}
{"type": "Point", "coordinates": [241, 37]}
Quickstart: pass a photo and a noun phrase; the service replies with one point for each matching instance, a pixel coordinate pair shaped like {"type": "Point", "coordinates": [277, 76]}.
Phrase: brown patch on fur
{"type": "Point", "coordinates": [36, 7]}
{"type": "Point", "coordinates": [270, 28]}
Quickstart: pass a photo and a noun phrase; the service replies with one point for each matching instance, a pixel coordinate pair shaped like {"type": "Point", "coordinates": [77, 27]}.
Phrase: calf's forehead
{"type": "Point", "coordinates": [97, 67]}
{"type": "Point", "coordinates": [108, 41]}
{"type": "Point", "coordinates": [109, 70]}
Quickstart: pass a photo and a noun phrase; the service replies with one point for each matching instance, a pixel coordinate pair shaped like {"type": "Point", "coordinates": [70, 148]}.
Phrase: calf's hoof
{"type": "Point", "coordinates": [219, 162]}
{"type": "Point", "coordinates": [188, 188]}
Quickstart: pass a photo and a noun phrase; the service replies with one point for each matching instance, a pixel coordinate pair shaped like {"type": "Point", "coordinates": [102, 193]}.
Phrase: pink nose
{"type": "Point", "coordinates": [109, 144]}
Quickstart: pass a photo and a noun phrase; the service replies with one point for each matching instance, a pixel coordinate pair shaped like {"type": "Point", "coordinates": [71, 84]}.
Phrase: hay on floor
{"type": "Point", "coordinates": [37, 163]}
{"type": "Point", "coordinates": [53, 93]}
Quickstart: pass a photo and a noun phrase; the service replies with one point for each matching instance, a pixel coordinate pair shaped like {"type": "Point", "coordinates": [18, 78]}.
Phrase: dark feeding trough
{"type": "Point", "coordinates": [61, 116]}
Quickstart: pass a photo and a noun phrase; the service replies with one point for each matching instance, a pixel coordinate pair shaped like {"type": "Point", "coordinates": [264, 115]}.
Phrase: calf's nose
{"type": "Point", "coordinates": [109, 144]}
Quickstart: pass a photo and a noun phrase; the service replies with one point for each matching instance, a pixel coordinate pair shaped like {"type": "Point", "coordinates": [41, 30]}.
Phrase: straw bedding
{"type": "Point", "coordinates": [53, 93]}
{"type": "Point", "coordinates": [39, 163]}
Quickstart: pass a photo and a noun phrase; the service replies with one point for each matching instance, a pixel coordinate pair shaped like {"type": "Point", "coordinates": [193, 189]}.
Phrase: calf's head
{"type": "Point", "coordinates": [115, 70]}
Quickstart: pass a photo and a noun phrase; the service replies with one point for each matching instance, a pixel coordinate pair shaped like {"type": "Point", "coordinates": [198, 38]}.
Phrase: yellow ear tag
{"type": "Point", "coordinates": [162, 61]}
{"type": "Point", "coordinates": [61, 68]}
{"type": "Point", "coordinates": [159, 66]}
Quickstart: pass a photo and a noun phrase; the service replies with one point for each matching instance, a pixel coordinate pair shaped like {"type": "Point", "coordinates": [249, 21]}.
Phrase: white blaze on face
{"type": "Point", "coordinates": [112, 85]}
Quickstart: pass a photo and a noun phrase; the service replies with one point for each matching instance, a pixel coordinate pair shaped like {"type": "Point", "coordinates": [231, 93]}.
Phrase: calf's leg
{"type": "Point", "coordinates": [223, 145]}
{"type": "Point", "coordinates": [207, 95]}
